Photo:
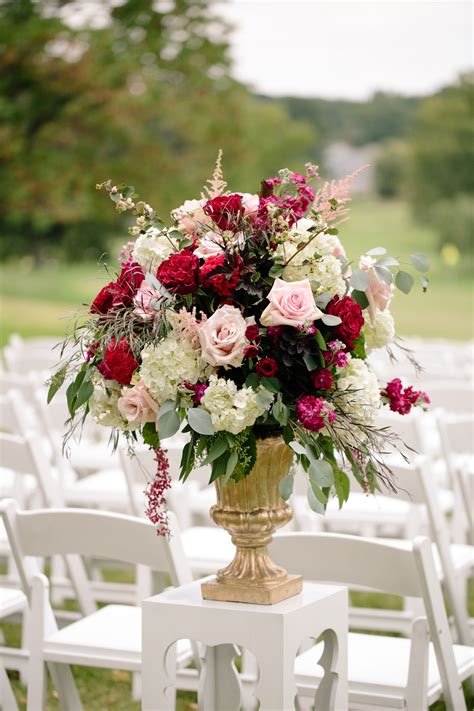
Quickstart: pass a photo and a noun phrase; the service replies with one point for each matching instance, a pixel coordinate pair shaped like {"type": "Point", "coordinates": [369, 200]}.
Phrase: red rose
{"type": "Point", "coordinates": [130, 278]}
{"type": "Point", "coordinates": [252, 332]}
{"type": "Point", "coordinates": [250, 352]}
{"type": "Point", "coordinates": [266, 367]}
{"type": "Point", "coordinates": [180, 273]}
{"type": "Point", "coordinates": [351, 317]}
{"type": "Point", "coordinates": [322, 379]}
{"type": "Point", "coordinates": [120, 292]}
{"type": "Point", "coordinates": [105, 299]}
{"type": "Point", "coordinates": [119, 363]}
{"type": "Point", "coordinates": [218, 274]}
{"type": "Point", "coordinates": [226, 211]}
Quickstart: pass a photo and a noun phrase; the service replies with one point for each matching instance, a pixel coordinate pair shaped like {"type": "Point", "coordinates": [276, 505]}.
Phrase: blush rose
{"type": "Point", "coordinates": [137, 405]}
{"type": "Point", "coordinates": [222, 337]}
{"type": "Point", "coordinates": [291, 304]}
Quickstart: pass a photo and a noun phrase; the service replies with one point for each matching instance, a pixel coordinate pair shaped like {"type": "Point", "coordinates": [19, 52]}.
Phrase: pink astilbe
{"type": "Point", "coordinates": [216, 185]}
{"type": "Point", "coordinates": [335, 190]}
{"type": "Point", "coordinates": [186, 325]}
{"type": "Point", "coordinates": [155, 493]}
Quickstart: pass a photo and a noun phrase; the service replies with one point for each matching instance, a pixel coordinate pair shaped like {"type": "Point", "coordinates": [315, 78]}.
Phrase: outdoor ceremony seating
{"type": "Point", "coordinates": [109, 637]}
{"type": "Point", "coordinates": [383, 671]}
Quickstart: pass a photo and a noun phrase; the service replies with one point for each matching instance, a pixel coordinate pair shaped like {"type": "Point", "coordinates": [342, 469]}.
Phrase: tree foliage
{"type": "Point", "coordinates": [140, 92]}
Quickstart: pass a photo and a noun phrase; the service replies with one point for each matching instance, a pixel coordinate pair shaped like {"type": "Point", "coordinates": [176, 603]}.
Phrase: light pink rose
{"type": "Point", "coordinates": [250, 204]}
{"type": "Point", "coordinates": [339, 250]}
{"type": "Point", "coordinates": [291, 304]}
{"type": "Point", "coordinates": [209, 245]}
{"type": "Point", "coordinates": [190, 215]}
{"type": "Point", "coordinates": [137, 405]}
{"type": "Point", "coordinates": [222, 336]}
{"type": "Point", "coordinates": [144, 299]}
{"type": "Point", "coordinates": [379, 293]}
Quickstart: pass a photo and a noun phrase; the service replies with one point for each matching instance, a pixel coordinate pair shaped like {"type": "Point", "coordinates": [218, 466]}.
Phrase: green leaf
{"type": "Point", "coordinates": [231, 464]}
{"type": "Point", "coordinates": [359, 279]}
{"type": "Point", "coordinates": [201, 445]}
{"type": "Point", "coordinates": [276, 271]}
{"type": "Point", "coordinates": [321, 473]}
{"type": "Point", "coordinates": [56, 381]}
{"type": "Point", "coordinates": [376, 251]}
{"type": "Point", "coordinates": [271, 384]}
{"type": "Point", "coordinates": [218, 448]}
{"type": "Point", "coordinates": [359, 347]}
{"type": "Point", "coordinates": [342, 484]}
{"type": "Point", "coordinates": [264, 399]}
{"type": "Point", "coordinates": [387, 261]}
{"type": "Point", "coordinates": [310, 362]}
{"type": "Point", "coordinates": [176, 234]}
{"type": "Point", "coordinates": [286, 486]}
{"type": "Point", "coordinates": [280, 412]}
{"type": "Point", "coordinates": [360, 298]}
{"type": "Point", "coordinates": [150, 435]}
{"type": "Point", "coordinates": [420, 261]}
{"type": "Point", "coordinates": [219, 467]}
{"type": "Point", "coordinates": [404, 281]}
{"type": "Point", "coordinates": [200, 421]}
{"type": "Point", "coordinates": [252, 381]}
{"type": "Point", "coordinates": [70, 395]}
{"type": "Point", "coordinates": [320, 340]}
{"type": "Point", "coordinates": [168, 424]}
{"type": "Point", "coordinates": [166, 407]}
{"type": "Point", "coordinates": [316, 505]}
{"type": "Point", "coordinates": [330, 320]}
{"type": "Point", "coordinates": [83, 394]}
{"type": "Point", "coordinates": [297, 447]}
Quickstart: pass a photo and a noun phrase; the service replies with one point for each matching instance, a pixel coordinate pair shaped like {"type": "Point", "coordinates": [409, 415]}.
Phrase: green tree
{"type": "Point", "coordinates": [146, 98]}
{"type": "Point", "coordinates": [391, 169]}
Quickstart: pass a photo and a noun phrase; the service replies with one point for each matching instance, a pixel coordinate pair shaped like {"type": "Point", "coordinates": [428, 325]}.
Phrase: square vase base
{"type": "Point", "coordinates": [257, 595]}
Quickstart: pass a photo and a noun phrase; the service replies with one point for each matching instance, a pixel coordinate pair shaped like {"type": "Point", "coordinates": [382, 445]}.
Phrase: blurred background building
{"type": "Point", "coordinates": [147, 91]}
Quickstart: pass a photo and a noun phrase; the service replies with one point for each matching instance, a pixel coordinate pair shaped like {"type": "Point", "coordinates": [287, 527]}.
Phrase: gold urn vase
{"type": "Point", "coordinates": [251, 510]}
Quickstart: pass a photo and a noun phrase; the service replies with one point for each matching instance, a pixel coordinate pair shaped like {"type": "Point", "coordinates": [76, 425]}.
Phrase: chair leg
{"type": "Point", "coordinates": [36, 690]}
{"type": "Point", "coordinates": [7, 697]}
{"type": "Point", "coordinates": [64, 684]}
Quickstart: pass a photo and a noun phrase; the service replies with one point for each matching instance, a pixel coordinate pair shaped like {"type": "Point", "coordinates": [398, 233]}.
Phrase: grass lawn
{"type": "Point", "coordinates": [40, 301]}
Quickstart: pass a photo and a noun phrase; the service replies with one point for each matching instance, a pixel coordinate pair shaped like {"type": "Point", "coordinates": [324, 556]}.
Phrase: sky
{"type": "Point", "coordinates": [349, 49]}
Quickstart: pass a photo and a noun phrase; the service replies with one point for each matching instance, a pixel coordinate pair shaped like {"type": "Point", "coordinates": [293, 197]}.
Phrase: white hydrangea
{"type": "Point", "coordinates": [166, 365]}
{"type": "Point", "coordinates": [362, 401]}
{"type": "Point", "coordinates": [152, 248]}
{"type": "Point", "coordinates": [103, 403]}
{"type": "Point", "coordinates": [380, 331]}
{"type": "Point", "coordinates": [327, 271]}
{"type": "Point", "coordinates": [234, 409]}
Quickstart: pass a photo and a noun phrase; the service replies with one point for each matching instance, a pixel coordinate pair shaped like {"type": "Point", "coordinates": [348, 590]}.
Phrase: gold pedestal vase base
{"type": "Point", "coordinates": [251, 510]}
{"type": "Point", "coordinates": [261, 594]}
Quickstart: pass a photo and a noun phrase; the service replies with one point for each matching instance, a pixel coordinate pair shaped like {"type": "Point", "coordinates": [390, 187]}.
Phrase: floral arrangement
{"type": "Point", "coordinates": [245, 319]}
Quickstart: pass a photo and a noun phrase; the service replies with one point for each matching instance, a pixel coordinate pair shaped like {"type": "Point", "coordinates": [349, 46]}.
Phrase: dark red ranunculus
{"type": "Point", "coordinates": [351, 317]}
{"type": "Point", "coordinates": [180, 273]}
{"type": "Point", "coordinates": [266, 367]}
{"type": "Point", "coordinates": [217, 274]}
{"type": "Point", "coordinates": [252, 332]}
{"type": "Point", "coordinates": [226, 211]}
{"type": "Point", "coordinates": [121, 292]}
{"type": "Point", "coordinates": [119, 363]}
{"type": "Point", "coordinates": [322, 379]}
{"type": "Point", "coordinates": [105, 299]}
{"type": "Point", "coordinates": [250, 352]}
{"type": "Point", "coordinates": [131, 277]}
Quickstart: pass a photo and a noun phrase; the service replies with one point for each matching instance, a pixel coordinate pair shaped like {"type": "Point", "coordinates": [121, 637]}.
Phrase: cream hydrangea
{"type": "Point", "coordinates": [152, 248]}
{"type": "Point", "coordinates": [103, 403]}
{"type": "Point", "coordinates": [233, 409]}
{"type": "Point", "coordinates": [380, 332]}
{"type": "Point", "coordinates": [362, 399]}
{"type": "Point", "coordinates": [327, 271]}
{"type": "Point", "coordinates": [166, 365]}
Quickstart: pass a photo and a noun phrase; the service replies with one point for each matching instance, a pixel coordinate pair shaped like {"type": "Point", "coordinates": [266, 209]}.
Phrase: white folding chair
{"type": "Point", "coordinates": [12, 602]}
{"type": "Point", "coordinates": [109, 637]}
{"type": "Point", "coordinates": [384, 672]}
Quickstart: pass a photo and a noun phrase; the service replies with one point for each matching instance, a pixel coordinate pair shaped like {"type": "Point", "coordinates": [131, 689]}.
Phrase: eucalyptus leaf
{"type": "Point", "coordinates": [375, 251]}
{"type": "Point", "coordinates": [420, 261]}
{"type": "Point", "coordinates": [321, 473]}
{"type": "Point", "coordinates": [343, 485]}
{"type": "Point", "coordinates": [286, 487]}
{"type": "Point", "coordinates": [316, 505]}
{"type": "Point", "coordinates": [166, 407]}
{"type": "Point", "coordinates": [152, 281]}
{"type": "Point", "coordinates": [297, 447]}
{"type": "Point", "coordinates": [359, 279]}
{"type": "Point", "coordinates": [200, 421]}
{"type": "Point", "coordinates": [404, 281]}
{"type": "Point", "coordinates": [264, 399]}
{"type": "Point", "coordinates": [384, 273]}
{"type": "Point", "coordinates": [387, 261]}
{"type": "Point", "coordinates": [280, 412]}
{"type": "Point", "coordinates": [168, 424]}
{"type": "Point", "coordinates": [330, 320]}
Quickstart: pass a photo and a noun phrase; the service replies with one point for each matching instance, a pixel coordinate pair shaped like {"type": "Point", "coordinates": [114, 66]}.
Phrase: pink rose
{"type": "Point", "coordinates": [222, 337]}
{"type": "Point", "coordinates": [137, 406]}
{"type": "Point", "coordinates": [190, 215]}
{"type": "Point", "coordinates": [379, 293]}
{"type": "Point", "coordinates": [291, 304]}
{"type": "Point", "coordinates": [209, 245]}
{"type": "Point", "coordinates": [144, 300]}
{"type": "Point", "coordinates": [250, 203]}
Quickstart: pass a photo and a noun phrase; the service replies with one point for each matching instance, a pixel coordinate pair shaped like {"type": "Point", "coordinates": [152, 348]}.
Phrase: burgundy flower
{"type": "Point", "coordinates": [131, 277]}
{"type": "Point", "coordinates": [118, 363]}
{"type": "Point", "coordinates": [351, 317]}
{"type": "Point", "coordinates": [266, 367]}
{"type": "Point", "coordinates": [402, 400]}
{"type": "Point", "coordinates": [180, 273]}
{"type": "Point", "coordinates": [198, 388]}
{"type": "Point", "coordinates": [226, 211]}
{"type": "Point", "coordinates": [217, 274]}
{"type": "Point", "coordinates": [252, 332]}
{"type": "Point", "coordinates": [250, 351]}
{"type": "Point", "coordinates": [313, 412]}
{"type": "Point", "coordinates": [121, 292]}
{"type": "Point", "coordinates": [322, 379]}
